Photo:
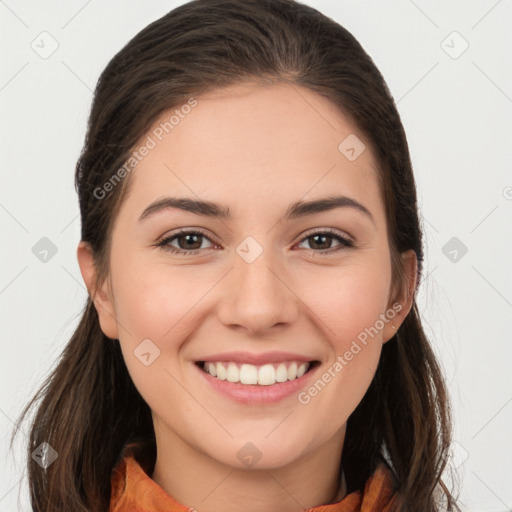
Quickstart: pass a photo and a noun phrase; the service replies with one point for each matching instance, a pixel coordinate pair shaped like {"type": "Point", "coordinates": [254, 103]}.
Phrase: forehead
{"type": "Point", "coordinates": [255, 143]}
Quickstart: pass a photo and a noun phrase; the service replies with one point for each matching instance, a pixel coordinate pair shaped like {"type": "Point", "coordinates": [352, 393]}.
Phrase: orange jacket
{"type": "Point", "coordinates": [134, 491]}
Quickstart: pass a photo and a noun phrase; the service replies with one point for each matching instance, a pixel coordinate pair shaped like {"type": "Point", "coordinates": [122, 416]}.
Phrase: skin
{"type": "Point", "coordinates": [256, 149]}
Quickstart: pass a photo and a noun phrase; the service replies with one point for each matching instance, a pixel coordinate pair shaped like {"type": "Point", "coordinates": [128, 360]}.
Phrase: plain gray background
{"type": "Point", "coordinates": [456, 106]}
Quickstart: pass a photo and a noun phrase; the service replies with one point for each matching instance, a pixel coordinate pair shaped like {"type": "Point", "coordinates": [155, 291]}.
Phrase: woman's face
{"type": "Point", "coordinates": [269, 282]}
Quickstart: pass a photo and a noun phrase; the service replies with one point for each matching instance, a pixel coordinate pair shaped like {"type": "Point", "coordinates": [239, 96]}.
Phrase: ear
{"type": "Point", "coordinates": [401, 304]}
{"type": "Point", "coordinates": [102, 296]}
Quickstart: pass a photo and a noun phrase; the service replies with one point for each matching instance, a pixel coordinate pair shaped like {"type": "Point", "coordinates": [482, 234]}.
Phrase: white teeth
{"type": "Point", "coordinates": [301, 370]}
{"type": "Point", "coordinates": [292, 371]}
{"type": "Point", "coordinates": [220, 370]}
{"type": "Point", "coordinates": [233, 374]}
{"type": "Point", "coordinates": [248, 374]}
{"type": "Point", "coordinates": [281, 373]}
{"type": "Point", "coordinates": [265, 375]}
{"type": "Point", "coordinates": [212, 369]}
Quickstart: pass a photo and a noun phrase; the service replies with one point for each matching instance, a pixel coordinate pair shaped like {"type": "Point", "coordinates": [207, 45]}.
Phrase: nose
{"type": "Point", "coordinates": [257, 296]}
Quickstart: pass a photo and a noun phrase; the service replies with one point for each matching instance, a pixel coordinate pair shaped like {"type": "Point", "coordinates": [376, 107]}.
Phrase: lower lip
{"type": "Point", "coordinates": [256, 394]}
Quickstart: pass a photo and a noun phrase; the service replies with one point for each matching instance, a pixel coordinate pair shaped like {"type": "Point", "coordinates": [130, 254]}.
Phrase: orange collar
{"type": "Point", "coordinates": [133, 490]}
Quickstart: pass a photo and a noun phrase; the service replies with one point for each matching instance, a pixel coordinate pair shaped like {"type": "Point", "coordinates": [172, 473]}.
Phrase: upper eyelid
{"type": "Point", "coordinates": [188, 231]}
{"type": "Point", "coordinates": [331, 231]}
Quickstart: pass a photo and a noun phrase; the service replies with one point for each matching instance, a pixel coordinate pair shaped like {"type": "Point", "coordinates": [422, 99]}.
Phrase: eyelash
{"type": "Point", "coordinates": [345, 242]}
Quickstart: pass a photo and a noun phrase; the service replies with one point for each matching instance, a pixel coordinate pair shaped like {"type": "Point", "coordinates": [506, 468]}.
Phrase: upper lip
{"type": "Point", "coordinates": [256, 359]}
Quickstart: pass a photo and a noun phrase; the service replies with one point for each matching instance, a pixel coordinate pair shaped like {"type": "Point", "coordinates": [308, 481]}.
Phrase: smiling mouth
{"type": "Point", "coordinates": [259, 375]}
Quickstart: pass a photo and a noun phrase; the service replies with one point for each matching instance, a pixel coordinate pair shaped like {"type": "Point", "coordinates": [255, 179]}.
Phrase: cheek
{"type": "Point", "coordinates": [348, 302]}
{"type": "Point", "coordinates": [155, 302]}
{"type": "Point", "coordinates": [349, 319]}
{"type": "Point", "coordinates": [152, 305]}
{"type": "Point", "coordinates": [349, 315]}
{"type": "Point", "coordinates": [162, 305]}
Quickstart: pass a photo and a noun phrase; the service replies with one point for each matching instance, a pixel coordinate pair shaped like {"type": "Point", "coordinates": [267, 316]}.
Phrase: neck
{"type": "Point", "coordinates": [342, 490]}
{"type": "Point", "coordinates": [196, 480]}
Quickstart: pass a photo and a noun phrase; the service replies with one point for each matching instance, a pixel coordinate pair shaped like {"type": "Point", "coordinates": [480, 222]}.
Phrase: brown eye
{"type": "Point", "coordinates": [321, 241]}
{"type": "Point", "coordinates": [187, 242]}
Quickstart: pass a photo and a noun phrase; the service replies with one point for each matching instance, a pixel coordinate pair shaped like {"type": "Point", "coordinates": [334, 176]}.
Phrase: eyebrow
{"type": "Point", "coordinates": [294, 211]}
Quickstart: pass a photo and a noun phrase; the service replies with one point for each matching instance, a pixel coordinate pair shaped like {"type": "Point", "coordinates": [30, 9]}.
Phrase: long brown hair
{"type": "Point", "coordinates": [89, 408]}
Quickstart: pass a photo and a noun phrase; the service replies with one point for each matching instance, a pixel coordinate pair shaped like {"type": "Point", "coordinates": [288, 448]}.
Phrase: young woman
{"type": "Point", "coordinates": [252, 250]}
